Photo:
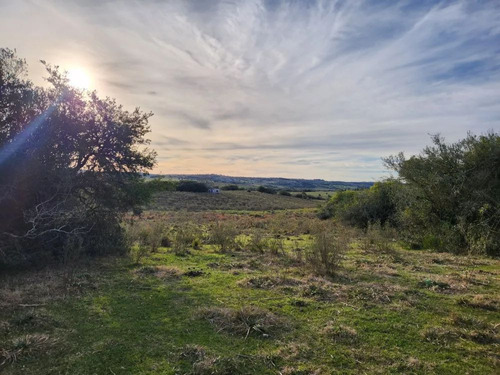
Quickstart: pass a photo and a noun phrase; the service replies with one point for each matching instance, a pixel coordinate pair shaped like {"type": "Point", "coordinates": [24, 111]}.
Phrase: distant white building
{"type": "Point", "coordinates": [214, 191]}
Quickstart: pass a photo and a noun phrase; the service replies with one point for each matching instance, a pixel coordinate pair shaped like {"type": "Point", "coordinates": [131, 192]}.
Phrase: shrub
{"type": "Point", "coordinates": [265, 189]}
{"type": "Point", "coordinates": [230, 187]}
{"type": "Point", "coordinates": [223, 236]}
{"type": "Point", "coordinates": [258, 242]}
{"type": "Point", "coordinates": [285, 193]}
{"type": "Point", "coordinates": [327, 250]}
{"type": "Point", "coordinates": [144, 238]}
{"type": "Point", "coordinates": [276, 246]}
{"type": "Point", "coordinates": [192, 186]}
{"type": "Point", "coordinates": [361, 208]}
{"type": "Point", "coordinates": [159, 184]}
{"type": "Point", "coordinates": [184, 237]}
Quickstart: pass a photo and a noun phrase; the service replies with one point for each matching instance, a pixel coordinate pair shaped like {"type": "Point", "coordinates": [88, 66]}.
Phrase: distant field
{"type": "Point", "coordinates": [321, 194]}
{"type": "Point", "coordinates": [278, 183]}
{"type": "Point", "coordinates": [227, 200]}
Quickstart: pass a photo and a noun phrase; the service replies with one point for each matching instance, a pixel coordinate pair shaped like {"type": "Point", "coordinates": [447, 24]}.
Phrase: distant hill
{"type": "Point", "coordinates": [292, 184]}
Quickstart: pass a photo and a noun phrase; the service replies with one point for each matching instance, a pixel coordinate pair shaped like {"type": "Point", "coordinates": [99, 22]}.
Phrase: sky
{"type": "Point", "coordinates": [300, 89]}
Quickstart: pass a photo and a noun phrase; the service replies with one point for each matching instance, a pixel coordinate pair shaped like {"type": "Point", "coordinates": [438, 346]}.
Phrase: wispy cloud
{"type": "Point", "coordinates": [290, 88]}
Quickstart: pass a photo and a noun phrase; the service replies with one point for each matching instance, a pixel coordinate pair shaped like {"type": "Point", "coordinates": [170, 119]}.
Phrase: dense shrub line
{"type": "Point", "coordinates": [447, 198]}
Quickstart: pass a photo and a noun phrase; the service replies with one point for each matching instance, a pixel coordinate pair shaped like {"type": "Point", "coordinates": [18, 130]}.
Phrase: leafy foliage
{"type": "Point", "coordinates": [446, 198]}
{"type": "Point", "coordinates": [192, 186]}
{"type": "Point", "coordinates": [266, 189]}
{"type": "Point", "coordinates": [70, 164]}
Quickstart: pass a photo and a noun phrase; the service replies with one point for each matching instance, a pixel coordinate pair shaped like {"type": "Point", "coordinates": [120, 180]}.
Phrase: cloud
{"type": "Point", "coordinates": [291, 88]}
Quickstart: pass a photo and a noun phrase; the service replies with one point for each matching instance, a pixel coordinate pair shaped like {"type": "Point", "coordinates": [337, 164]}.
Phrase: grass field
{"type": "Point", "coordinates": [226, 200]}
{"type": "Point", "coordinates": [323, 194]}
{"type": "Point", "coordinates": [386, 310]}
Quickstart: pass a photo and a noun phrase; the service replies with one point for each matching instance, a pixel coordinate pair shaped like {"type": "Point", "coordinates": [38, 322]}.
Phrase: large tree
{"type": "Point", "coordinates": [70, 163]}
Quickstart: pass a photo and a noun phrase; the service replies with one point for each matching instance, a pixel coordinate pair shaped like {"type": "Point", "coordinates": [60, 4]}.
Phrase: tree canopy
{"type": "Point", "coordinates": [70, 163]}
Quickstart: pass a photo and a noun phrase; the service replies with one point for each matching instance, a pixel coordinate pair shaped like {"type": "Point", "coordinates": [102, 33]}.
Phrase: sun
{"type": "Point", "coordinates": [79, 78]}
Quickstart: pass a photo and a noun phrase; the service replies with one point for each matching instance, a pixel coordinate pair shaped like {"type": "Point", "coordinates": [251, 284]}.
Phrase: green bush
{"type": "Point", "coordinates": [265, 189]}
{"type": "Point", "coordinates": [71, 166]}
{"type": "Point", "coordinates": [327, 250]}
{"type": "Point", "coordinates": [361, 208]}
{"type": "Point", "coordinates": [447, 198]}
{"type": "Point", "coordinates": [231, 187]}
{"type": "Point", "coordinates": [184, 237]}
{"type": "Point", "coordinates": [223, 236]}
{"type": "Point", "coordinates": [192, 186]}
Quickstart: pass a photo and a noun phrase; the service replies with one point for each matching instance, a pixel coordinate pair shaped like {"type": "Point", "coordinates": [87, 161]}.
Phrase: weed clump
{"type": "Point", "coordinates": [440, 335]}
{"type": "Point", "coordinates": [340, 333]}
{"type": "Point", "coordinates": [269, 282]}
{"type": "Point", "coordinates": [32, 319]}
{"type": "Point", "coordinates": [480, 301]}
{"type": "Point", "coordinates": [319, 289]}
{"type": "Point", "coordinates": [244, 321]}
{"type": "Point", "coordinates": [25, 345]}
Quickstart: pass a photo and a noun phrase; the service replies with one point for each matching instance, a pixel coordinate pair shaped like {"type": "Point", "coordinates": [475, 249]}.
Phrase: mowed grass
{"type": "Point", "coordinates": [387, 310]}
{"type": "Point", "coordinates": [227, 200]}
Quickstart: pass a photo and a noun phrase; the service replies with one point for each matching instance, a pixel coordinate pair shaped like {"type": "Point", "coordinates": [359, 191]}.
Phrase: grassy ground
{"type": "Point", "coordinates": [323, 194]}
{"type": "Point", "coordinates": [227, 200]}
{"type": "Point", "coordinates": [386, 310]}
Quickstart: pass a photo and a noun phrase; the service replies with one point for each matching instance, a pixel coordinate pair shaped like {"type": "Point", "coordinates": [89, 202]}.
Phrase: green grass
{"type": "Point", "coordinates": [395, 311]}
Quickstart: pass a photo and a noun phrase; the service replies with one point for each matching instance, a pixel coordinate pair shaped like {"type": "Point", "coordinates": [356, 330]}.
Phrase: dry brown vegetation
{"type": "Point", "coordinates": [244, 321]}
{"type": "Point", "coordinates": [227, 200]}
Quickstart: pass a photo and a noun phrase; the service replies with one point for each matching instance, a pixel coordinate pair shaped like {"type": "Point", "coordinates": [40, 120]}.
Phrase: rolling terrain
{"type": "Point", "coordinates": [291, 184]}
{"type": "Point", "coordinates": [256, 306]}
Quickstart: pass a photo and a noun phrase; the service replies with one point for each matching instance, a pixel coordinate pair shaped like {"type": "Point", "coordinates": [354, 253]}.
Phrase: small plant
{"type": "Point", "coordinates": [223, 236]}
{"type": "Point", "coordinates": [258, 242]}
{"type": "Point", "coordinates": [276, 246]}
{"type": "Point", "coordinates": [340, 333]}
{"type": "Point", "coordinates": [244, 321]}
{"type": "Point", "coordinates": [186, 236]}
{"type": "Point", "coordinates": [144, 238]}
{"type": "Point", "coordinates": [327, 250]}
{"type": "Point", "coordinates": [138, 252]}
